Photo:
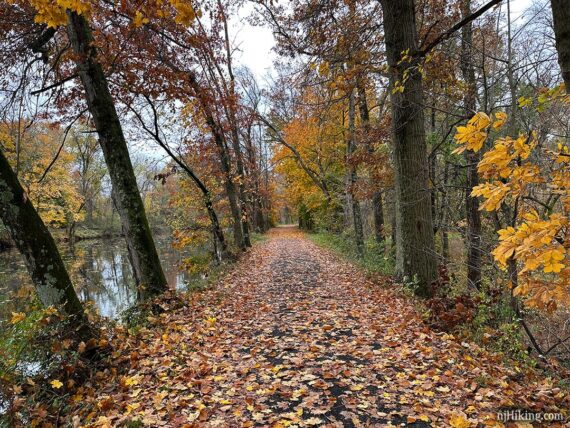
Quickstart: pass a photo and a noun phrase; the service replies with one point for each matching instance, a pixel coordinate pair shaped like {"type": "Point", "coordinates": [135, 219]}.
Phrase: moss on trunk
{"type": "Point", "coordinates": [42, 258]}
{"type": "Point", "coordinates": [144, 259]}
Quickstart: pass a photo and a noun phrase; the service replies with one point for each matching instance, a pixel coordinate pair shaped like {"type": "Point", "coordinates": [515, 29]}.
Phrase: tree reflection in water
{"type": "Point", "coordinates": [99, 269]}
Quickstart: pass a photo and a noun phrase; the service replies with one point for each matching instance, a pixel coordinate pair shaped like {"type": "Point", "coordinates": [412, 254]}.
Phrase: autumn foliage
{"type": "Point", "coordinates": [424, 143]}
{"type": "Point", "coordinates": [46, 172]}
{"type": "Point", "coordinates": [530, 178]}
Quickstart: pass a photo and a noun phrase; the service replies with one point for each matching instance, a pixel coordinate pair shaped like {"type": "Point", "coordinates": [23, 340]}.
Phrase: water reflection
{"type": "Point", "coordinates": [99, 269]}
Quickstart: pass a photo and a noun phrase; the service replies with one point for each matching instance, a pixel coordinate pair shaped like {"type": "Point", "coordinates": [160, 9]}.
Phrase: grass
{"type": "Point", "coordinates": [377, 258]}
{"type": "Point", "coordinates": [257, 237]}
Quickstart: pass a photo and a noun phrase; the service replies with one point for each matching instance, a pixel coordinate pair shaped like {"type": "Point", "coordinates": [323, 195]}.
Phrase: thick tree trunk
{"type": "Point", "coordinates": [474, 250]}
{"type": "Point", "coordinates": [43, 261]}
{"type": "Point", "coordinates": [352, 177]}
{"type": "Point", "coordinates": [377, 210]}
{"type": "Point", "coordinates": [561, 20]}
{"type": "Point", "coordinates": [415, 256]}
{"type": "Point", "coordinates": [147, 270]}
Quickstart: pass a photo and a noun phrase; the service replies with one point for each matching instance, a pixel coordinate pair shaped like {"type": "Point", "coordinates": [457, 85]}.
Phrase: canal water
{"type": "Point", "coordinates": [100, 271]}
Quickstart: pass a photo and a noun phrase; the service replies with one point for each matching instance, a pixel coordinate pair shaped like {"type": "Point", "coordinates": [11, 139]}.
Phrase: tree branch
{"type": "Point", "coordinates": [447, 34]}
{"type": "Point", "coordinates": [54, 85]}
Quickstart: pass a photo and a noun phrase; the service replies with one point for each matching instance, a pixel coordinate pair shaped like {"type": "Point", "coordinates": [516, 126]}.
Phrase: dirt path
{"type": "Point", "coordinates": [296, 337]}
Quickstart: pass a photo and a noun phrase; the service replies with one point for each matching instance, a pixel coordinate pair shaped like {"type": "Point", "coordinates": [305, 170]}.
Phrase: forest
{"type": "Point", "coordinates": [284, 213]}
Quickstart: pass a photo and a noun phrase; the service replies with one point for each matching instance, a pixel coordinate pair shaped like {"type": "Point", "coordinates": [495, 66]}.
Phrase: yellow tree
{"type": "Point", "coordinates": [311, 159]}
{"type": "Point", "coordinates": [46, 172]}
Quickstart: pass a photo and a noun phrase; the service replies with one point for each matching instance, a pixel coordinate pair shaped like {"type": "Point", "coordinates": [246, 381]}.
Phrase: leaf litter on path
{"type": "Point", "coordinates": [293, 336]}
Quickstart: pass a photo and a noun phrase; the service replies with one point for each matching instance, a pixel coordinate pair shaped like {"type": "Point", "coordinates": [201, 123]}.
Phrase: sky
{"type": "Point", "coordinates": [254, 44]}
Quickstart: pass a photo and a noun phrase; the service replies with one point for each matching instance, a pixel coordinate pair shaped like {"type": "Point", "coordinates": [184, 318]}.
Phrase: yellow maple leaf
{"type": "Point", "coordinates": [480, 121]}
{"type": "Point", "coordinates": [134, 380]}
{"type": "Point", "coordinates": [56, 383]}
{"type": "Point", "coordinates": [551, 260]}
{"type": "Point", "coordinates": [139, 20]}
{"type": "Point", "coordinates": [500, 119]}
{"type": "Point", "coordinates": [459, 421]}
{"type": "Point", "coordinates": [133, 406]}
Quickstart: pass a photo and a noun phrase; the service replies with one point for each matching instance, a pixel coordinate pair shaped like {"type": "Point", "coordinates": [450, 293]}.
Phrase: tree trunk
{"type": "Point", "coordinates": [443, 225]}
{"type": "Point", "coordinates": [474, 250]}
{"type": "Point", "coordinates": [229, 184]}
{"type": "Point", "coordinates": [220, 247]}
{"type": "Point", "coordinates": [43, 261]}
{"type": "Point", "coordinates": [225, 163]}
{"type": "Point", "coordinates": [377, 210]}
{"type": "Point", "coordinates": [378, 213]}
{"type": "Point", "coordinates": [393, 227]}
{"type": "Point", "coordinates": [147, 270]}
{"type": "Point", "coordinates": [231, 191]}
{"type": "Point", "coordinates": [561, 20]}
{"type": "Point", "coordinates": [231, 112]}
{"type": "Point", "coordinates": [266, 201]}
{"type": "Point", "coordinates": [352, 177]}
{"type": "Point", "coordinates": [254, 173]}
{"type": "Point", "coordinates": [415, 256]}
{"type": "Point", "coordinates": [244, 218]}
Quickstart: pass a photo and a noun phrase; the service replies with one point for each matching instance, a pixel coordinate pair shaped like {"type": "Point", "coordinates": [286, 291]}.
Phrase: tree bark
{"type": "Point", "coordinates": [393, 228]}
{"type": "Point", "coordinates": [225, 163]}
{"type": "Point", "coordinates": [253, 173]}
{"type": "Point", "coordinates": [144, 258]}
{"type": "Point", "coordinates": [231, 109]}
{"type": "Point", "coordinates": [415, 256]}
{"type": "Point", "coordinates": [231, 189]}
{"type": "Point", "coordinates": [561, 20]}
{"type": "Point", "coordinates": [443, 226]}
{"type": "Point", "coordinates": [220, 247]}
{"type": "Point", "coordinates": [242, 190]}
{"type": "Point", "coordinates": [352, 177]}
{"type": "Point", "coordinates": [42, 258]}
{"type": "Point", "coordinates": [473, 215]}
{"type": "Point", "coordinates": [377, 211]}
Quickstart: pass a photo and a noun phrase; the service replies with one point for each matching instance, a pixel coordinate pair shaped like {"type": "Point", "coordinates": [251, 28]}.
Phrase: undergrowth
{"type": "Point", "coordinates": [377, 257]}
{"type": "Point", "coordinates": [40, 358]}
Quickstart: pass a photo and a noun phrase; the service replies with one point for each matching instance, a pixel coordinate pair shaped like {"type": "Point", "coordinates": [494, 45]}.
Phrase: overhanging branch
{"type": "Point", "coordinates": [447, 34]}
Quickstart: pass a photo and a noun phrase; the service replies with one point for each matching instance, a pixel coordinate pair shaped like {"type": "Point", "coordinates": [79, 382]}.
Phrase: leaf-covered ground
{"type": "Point", "coordinates": [295, 337]}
